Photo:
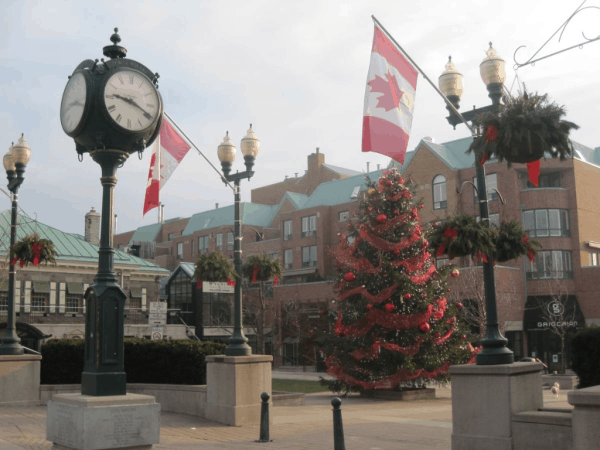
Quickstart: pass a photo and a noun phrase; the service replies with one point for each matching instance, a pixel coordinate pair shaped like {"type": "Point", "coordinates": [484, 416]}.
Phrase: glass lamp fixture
{"type": "Point", "coordinates": [450, 83]}
{"type": "Point", "coordinates": [226, 153]}
{"type": "Point", "coordinates": [21, 153]}
{"type": "Point", "coordinates": [492, 68]}
{"type": "Point", "coordinates": [250, 147]}
{"type": "Point", "coordinates": [8, 162]}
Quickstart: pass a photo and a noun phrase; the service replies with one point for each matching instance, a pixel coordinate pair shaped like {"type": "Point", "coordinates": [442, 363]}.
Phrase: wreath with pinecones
{"type": "Point", "coordinates": [461, 235]}
{"type": "Point", "coordinates": [523, 130]}
{"type": "Point", "coordinates": [512, 242]}
{"type": "Point", "coordinates": [214, 266]}
{"type": "Point", "coordinates": [32, 249]}
{"type": "Point", "coordinates": [261, 268]}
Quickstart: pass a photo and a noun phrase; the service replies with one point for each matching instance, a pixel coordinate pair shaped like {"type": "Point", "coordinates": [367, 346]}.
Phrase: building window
{"type": "Point", "coordinates": [546, 222]}
{"type": "Point", "coordinates": [309, 226]}
{"type": "Point", "coordinates": [309, 256]}
{"type": "Point", "coordinates": [287, 230]}
{"type": "Point", "coordinates": [274, 256]}
{"type": "Point", "coordinates": [494, 220]}
{"type": "Point", "coordinates": [288, 258]}
{"type": "Point", "coordinates": [180, 298]}
{"type": "Point", "coordinates": [441, 262]}
{"type": "Point", "coordinates": [171, 236]}
{"type": "Point", "coordinates": [439, 192]}
{"type": "Point", "coordinates": [546, 180]}
{"type": "Point", "coordinates": [355, 192]}
{"type": "Point", "coordinates": [39, 302]}
{"type": "Point", "coordinates": [202, 244]}
{"type": "Point", "coordinates": [551, 264]}
{"type": "Point", "coordinates": [593, 259]}
{"type": "Point", "coordinates": [343, 216]}
{"type": "Point", "coordinates": [180, 250]}
{"type": "Point", "coordinates": [3, 301]}
{"type": "Point", "coordinates": [72, 303]}
{"type": "Point", "coordinates": [491, 182]}
{"type": "Point", "coordinates": [230, 241]}
{"type": "Point", "coordinates": [219, 242]}
{"type": "Point", "coordinates": [216, 310]}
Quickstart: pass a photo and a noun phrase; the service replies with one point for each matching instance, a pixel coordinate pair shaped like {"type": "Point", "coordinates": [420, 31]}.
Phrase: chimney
{"type": "Point", "coordinates": [286, 177]}
{"type": "Point", "coordinates": [378, 166]}
{"type": "Point", "coordinates": [315, 161]}
{"type": "Point", "coordinates": [216, 206]}
{"type": "Point", "coordinates": [368, 167]}
{"type": "Point", "coordinates": [296, 174]}
{"type": "Point", "coordinates": [92, 227]}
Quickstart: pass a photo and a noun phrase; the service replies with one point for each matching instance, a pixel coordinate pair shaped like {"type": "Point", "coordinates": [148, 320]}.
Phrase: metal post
{"type": "Point", "coordinates": [11, 344]}
{"type": "Point", "coordinates": [338, 429]}
{"type": "Point", "coordinates": [494, 349]}
{"type": "Point", "coordinates": [238, 342]}
{"type": "Point", "coordinates": [264, 418]}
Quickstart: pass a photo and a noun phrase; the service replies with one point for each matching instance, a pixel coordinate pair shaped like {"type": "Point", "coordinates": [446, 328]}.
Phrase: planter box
{"type": "Point", "coordinates": [408, 395]}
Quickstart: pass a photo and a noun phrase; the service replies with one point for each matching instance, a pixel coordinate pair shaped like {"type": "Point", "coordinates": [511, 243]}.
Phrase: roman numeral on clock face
{"type": "Point", "coordinates": [130, 79]}
{"type": "Point", "coordinates": [119, 117]}
{"type": "Point", "coordinates": [120, 79]}
{"type": "Point", "coordinates": [111, 108]}
{"type": "Point", "coordinates": [128, 123]}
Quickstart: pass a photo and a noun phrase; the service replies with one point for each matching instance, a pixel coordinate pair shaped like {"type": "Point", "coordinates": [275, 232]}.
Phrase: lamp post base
{"type": "Point", "coordinates": [11, 347]}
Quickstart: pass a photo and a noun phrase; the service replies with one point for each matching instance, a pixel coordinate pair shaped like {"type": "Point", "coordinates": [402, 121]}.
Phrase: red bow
{"type": "Point", "coordinates": [255, 271]}
{"type": "Point", "coordinates": [37, 249]}
{"type": "Point", "coordinates": [199, 283]}
{"type": "Point", "coordinates": [491, 133]}
{"type": "Point", "coordinates": [14, 261]}
{"type": "Point", "coordinates": [230, 282]}
{"type": "Point", "coordinates": [276, 280]}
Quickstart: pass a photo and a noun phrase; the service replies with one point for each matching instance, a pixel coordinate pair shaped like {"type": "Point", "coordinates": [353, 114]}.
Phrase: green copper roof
{"type": "Point", "coordinates": [341, 170]}
{"type": "Point", "coordinates": [338, 192]}
{"type": "Point", "coordinates": [68, 246]}
{"type": "Point", "coordinates": [188, 267]}
{"type": "Point", "coordinates": [298, 200]}
{"type": "Point", "coordinates": [252, 214]}
{"type": "Point", "coordinates": [147, 233]}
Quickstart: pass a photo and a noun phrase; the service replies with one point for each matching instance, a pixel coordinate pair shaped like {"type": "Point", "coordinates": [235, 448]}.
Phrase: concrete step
{"type": "Point", "coordinates": [297, 369]}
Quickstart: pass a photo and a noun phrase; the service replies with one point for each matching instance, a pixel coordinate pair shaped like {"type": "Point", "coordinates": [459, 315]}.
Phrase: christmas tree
{"type": "Point", "coordinates": [394, 327]}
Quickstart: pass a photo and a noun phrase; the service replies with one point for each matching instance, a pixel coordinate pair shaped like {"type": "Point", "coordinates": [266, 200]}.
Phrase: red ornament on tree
{"type": "Point", "coordinates": [369, 306]}
{"type": "Point", "coordinates": [381, 218]}
{"type": "Point", "coordinates": [389, 307]}
{"type": "Point", "coordinates": [389, 182]}
{"type": "Point", "coordinates": [455, 273]}
{"type": "Point", "coordinates": [407, 296]}
{"type": "Point", "coordinates": [396, 212]}
{"type": "Point", "coordinates": [459, 305]}
{"type": "Point", "coordinates": [464, 337]}
{"type": "Point", "coordinates": [421, 206]}
{"type": "Point", "coordinates": [425, 327]}
{"type": "Point", "coordinates": [349, 277]}
{"type": "Point", "coordinates": [437, 335]}
{"type": "Point", "coordinates": [401, 180]}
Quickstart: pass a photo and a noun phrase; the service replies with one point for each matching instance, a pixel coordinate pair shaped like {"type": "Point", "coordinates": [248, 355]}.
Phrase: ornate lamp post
{"type": "Point", "coordinates": [250, 147]}
{"type": "Point", "coordinates": [111, 109]}
{"type": "Point", "coordinates": [14, 163]}
{"type": "Point", "coordinates": [450, 82]}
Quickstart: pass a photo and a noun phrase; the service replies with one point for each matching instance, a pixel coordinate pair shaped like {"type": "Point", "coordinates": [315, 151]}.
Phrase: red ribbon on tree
{"type": "Point", "coordinates": [413, 264]}
{"type": "Point", "coordinates": [255, 271]}
{"type": "Point", "coordinates": [422, 279]}
{"type": "Point", "coordinates": [446, 336]}
{"type": "Point", "coordinates": [533, 170]}
{"type": "Point", "coordinates": [385, 319]}
{"type": "Point", "coordinates": [382, 296]}
{"type": "Point", "coordinates": [382, 244]}
{"type": "Point", "coordinates": [442, 304]}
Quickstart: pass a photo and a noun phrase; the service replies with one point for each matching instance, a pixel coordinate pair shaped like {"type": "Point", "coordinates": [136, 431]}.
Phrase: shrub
{"type": "Point", "coordinates": [146, 361]}
{"type": "Point", "coordinates": [585, 361]}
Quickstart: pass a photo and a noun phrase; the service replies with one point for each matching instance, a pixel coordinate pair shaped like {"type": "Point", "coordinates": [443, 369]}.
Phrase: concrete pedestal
{"type": "Point", "coordinates": [233, 388]}
{"type": "Point", "coordinates": [20, 380]}
{"type": "Point", "coordinates": [484, 398]}
{"type": "Point", "coordinates": [586, 417]}
{"type": "Point", "coordinates": [83, 422]}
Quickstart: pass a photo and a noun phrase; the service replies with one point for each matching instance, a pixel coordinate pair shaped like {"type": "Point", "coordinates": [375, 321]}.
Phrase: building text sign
{"type": "Point", "coordinates": [217, 287]}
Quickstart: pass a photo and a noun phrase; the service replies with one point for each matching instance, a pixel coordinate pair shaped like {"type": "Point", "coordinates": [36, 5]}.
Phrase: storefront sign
{"type": "Point", "coordinates": [556, 308]}
{"type": "Point", "coordinates": [217, 287]}
{"type": "Point", "coordinates": [546, 325]}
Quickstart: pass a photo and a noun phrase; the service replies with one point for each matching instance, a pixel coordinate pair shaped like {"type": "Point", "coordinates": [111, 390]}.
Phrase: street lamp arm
{"type": "Point", "coordinates": [459, 189]}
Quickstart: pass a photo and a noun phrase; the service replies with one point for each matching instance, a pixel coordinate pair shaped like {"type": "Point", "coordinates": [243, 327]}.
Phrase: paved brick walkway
{"type": "Point", "coordinates": [368, 425]}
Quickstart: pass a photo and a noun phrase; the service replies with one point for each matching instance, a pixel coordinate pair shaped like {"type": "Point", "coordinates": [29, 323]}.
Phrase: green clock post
{"type": "Point", "coordinates": [111, 109]}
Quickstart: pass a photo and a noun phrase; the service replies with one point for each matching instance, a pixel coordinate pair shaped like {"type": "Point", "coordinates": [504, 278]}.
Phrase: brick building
{"type": "Point", "coordinates": [299, 221]}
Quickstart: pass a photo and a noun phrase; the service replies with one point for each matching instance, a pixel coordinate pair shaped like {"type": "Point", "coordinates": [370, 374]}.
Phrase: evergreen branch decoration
{"type": "Point", "coordinates": [33, 249]}
{"type": "Point", "coordinates": [214, 266]}
{"type": "Point", "coordinates": [261, 267]}
{"type": "Point", "coordinates": [512, 242]}
{"type": "Point", "coordinates": [522, 130]}
{"type": "Point", "coordinates": [461, 235]}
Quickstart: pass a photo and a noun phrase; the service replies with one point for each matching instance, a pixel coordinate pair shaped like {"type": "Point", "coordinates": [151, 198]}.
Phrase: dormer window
{"type": "Point", "coordinates": [355, 192]}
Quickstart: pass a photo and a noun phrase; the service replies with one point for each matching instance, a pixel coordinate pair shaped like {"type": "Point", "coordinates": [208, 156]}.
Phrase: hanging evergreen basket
{"type": "Point", "coordinates": [32, 249]}
{"type": "Point", "coordinates": [461, 235]}
{"type": "Point", "coordinates": [512, 242]}
{"type": "Point", "coordinates": [214, 266]}
{"type": "Point", "coordinates": [523, 130]}
{"type": "Point", "coordinates": [261, 268]}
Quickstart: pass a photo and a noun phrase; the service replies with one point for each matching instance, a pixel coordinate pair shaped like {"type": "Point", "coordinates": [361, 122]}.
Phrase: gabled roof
{"type": "Point", "coordinates": [147, 233]}
{"type": "Point", "coordinates": [68, 247]}
{"type": "Point", "coordinates": [338, 192]}
{"type": "Point", "coordinates": [253, 214]}
{"type": "Point", "coordinates": [187, 267]}
{"type": "Point", "coordinates": [341, 170]}
{"type": "Point", "coordinates": [586, 154]}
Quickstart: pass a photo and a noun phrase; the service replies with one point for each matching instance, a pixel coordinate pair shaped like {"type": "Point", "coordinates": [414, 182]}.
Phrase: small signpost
{"type": "Point", "coordinates": [217, 287]}
{"type": "Point", "coordinates": [158, 315]}
{"type": "Point", "coordinates": [157, 333]}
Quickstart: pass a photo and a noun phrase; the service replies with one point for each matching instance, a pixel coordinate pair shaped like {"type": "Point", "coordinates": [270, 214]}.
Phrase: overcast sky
{"type": "Point", "coordinates": [296, 70]}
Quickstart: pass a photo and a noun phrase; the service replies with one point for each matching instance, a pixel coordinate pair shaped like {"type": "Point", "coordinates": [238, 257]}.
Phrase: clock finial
{"type": "Point", "coordinates": [115, 50]}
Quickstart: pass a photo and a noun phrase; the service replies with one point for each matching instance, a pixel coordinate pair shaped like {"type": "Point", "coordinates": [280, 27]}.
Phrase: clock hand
{"type": "Point", "coordinates": [132, 102]}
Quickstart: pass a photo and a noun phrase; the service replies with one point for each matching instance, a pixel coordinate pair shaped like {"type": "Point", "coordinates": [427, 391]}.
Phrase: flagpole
{"type": "Point", "coordinates": [199, 151]}
{"type": "Point", "coordinates": [448, 102]}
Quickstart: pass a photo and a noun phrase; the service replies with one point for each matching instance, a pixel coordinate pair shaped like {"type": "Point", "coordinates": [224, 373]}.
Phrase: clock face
{"type": "Point", "coordinates": [73, 103]}
{"type": "Point", "coordinates": [131, 100]}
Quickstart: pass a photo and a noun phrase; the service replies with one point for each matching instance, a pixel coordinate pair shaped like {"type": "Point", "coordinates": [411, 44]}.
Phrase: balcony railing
{"type": "Point", "coordinates": [564, 274]}
{"type": "Point", "coordinates": [549, 232]}
{"type": "Point", "coordinates": [309, 263]}
{"type": "Point", "coordinates": [309, 233]}
{"type": "Point", "coordinates": [287, 237]}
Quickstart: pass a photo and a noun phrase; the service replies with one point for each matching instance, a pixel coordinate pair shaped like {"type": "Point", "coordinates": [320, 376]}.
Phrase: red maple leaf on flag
{"type": "Point", "coordinates": [390, 90]}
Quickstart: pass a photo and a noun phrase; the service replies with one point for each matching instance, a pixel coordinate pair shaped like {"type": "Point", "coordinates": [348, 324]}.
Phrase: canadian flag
{"type": "Point", "coordinates": [389, 100]}
{"type": "Point", "coordinates": [169, 149]}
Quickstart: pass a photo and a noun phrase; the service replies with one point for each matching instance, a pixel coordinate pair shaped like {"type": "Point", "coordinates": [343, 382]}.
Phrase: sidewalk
{"type": "Point", "coordinates": [368, 425]}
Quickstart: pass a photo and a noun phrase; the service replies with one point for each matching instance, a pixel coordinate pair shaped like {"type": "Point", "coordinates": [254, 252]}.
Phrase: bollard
{"type": "Point", "coordinates": [264, 418]}
{"type": "Point", "coordinates": [338, 428]}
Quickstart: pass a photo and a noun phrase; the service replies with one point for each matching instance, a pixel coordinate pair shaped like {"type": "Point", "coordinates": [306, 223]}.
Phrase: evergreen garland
{"type": "Point", "coordinates": [265, 267]}
{"type": "Point", "coordinates": [461, 235]}
{"type": "Point", "coordinates": [214, 266]}
{"type": "Point", "coordinates": [512, 242]}
{"type": "Point", "coordinates": [33, 249]}
{"type": "Point", "coordinates": [523, 129]}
